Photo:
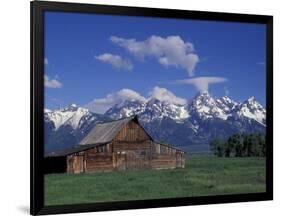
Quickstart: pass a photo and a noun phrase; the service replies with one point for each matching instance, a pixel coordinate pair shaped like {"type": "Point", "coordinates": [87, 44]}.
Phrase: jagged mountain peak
{"type": "Point", "coordinates": [203, 98]}
{"type": "Point", "coordinates": [253, 110]}
{"type": "Point", "coordinates": [227, 99]}
{"type": "Point", "coordinates": [125, 108]}
{"type": "Point", "coordinates": [251, 99]}
{"type": "Point", "coordinates": [204, 106]}
{"type": "Point", "coordinates": [252, 103]}
{"type": "Point", "coordinates": [70, 115]}
{"type": "Point", "coordinates": [150, 110]}
{"type": "Point", "coordinates": [226, 104]}
{"type": "Point", "coordinates": [157, 110]}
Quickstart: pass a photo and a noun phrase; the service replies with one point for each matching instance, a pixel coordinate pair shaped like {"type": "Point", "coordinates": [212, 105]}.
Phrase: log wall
{"type": "Point", "coordinates": [99, 159]}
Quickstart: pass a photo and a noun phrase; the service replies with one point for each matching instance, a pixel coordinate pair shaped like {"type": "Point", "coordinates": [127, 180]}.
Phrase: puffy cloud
{"type": "Point", "coordinates": [164, 94]}
{"type": "Point", "coordinates": [101, 105]}
{"type": "Point", "coordinates": [116, 61]}
{"type": "Point", "coordinates": [51, 83]}
{"type": "Point", "coordinates": [202, 83]}
{"type": "Point", "coordinates": [169, 51]}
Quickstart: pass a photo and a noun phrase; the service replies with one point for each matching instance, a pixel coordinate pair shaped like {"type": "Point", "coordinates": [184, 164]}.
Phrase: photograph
{"type": "Point", "coordinates": [148, 108]}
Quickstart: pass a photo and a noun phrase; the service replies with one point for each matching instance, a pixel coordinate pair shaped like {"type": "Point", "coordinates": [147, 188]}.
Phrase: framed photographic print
{"type": "Point", "coordinates": [142, 108]}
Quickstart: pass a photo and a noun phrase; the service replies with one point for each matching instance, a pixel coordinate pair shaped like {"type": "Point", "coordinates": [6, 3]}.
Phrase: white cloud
{"type": "Point", "coordinates": [51, 83]}
{"type": "Point", "coordinates": [46, 62]}
{"type": "Point", "coordinates": [164, 94]}
{"type": "Point", "coordinates": [169, 51]}
{"type": "Point", "coordinates": [116, 61]}
{"type": "Point", "coordinates": [202, 83]}
{"type": "Point", "coordinates": [101, 105]}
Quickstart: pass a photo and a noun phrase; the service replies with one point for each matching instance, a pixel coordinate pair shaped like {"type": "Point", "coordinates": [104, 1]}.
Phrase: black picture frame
{"type": "Point", "coordinates": [37, 106]}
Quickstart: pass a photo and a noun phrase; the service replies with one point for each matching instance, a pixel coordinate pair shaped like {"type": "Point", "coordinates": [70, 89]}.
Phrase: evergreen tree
{"type": "Point", "coordinates": [217, 147]}
{"type": "Point", "coordinates": [240, 145]}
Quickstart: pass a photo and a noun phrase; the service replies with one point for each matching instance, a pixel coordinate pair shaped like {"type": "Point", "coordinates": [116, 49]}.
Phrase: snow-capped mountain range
{"type": "Point", "coordinates": [71, 115]}
{"type": "Point", "coordinates": [200, 120]}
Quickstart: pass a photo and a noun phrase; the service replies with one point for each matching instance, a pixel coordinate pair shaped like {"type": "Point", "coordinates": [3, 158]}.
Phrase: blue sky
{"type": "Point", "coordinates": [102, 58]}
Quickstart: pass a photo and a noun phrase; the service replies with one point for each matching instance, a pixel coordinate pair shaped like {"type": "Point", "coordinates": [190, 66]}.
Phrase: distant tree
{"type": "Point", "coordinates": [240, 145]}
{"type": "Point", "coordinates": [217, 147]}
{"type": "Point", "coordinates": [246, 144]}
{"type": "Point", "coordinates": [263, 145]}
{"type": "Point", "coordinates": [229, 146]}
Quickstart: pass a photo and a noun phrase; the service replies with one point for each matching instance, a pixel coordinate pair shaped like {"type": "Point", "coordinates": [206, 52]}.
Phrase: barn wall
{"type": "Point", "coordinates": [180, 159]}
{"type": "Point", "coordinates": [99, 159]}
{"type": "Point", "coordinates": [163, 161]}
{"type": "Point", "coordinates": [131, 155]}
{"type": "Point", "coordinates": [166, 157]}
{"type": "Point", "coordinates": [132, 148]}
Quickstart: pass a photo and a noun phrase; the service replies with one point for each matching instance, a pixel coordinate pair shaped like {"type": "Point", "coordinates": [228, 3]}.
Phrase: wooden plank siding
{"type": "Point", "coordinates": [99, 159]}
{"type": "Point", "coordinates": [131, 149]}
{"type": "Point", "coordinates": [132, 132]}
{"type": "Point", "coordinates": [135, 145]}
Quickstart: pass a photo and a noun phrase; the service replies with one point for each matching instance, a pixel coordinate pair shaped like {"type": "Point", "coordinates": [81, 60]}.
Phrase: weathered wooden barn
{"type": "Point", "coordinates": [117, 145]}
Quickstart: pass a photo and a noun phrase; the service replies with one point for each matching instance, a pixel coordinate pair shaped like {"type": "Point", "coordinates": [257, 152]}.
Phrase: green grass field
{"type": "Point", "coordinates": [204, 175]}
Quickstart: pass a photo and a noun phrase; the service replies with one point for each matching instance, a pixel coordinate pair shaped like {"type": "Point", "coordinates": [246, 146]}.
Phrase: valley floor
{"type": "Point", "coordinates": [204, 175]}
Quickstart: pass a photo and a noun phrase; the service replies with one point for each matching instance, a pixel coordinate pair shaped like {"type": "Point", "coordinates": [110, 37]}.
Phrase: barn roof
{"type": "Point", "coordinates": [168, 145]}
{"type": "Point", "coordinates": [74, 149]}
{"type": "Point", "coordinates": [105, 132]}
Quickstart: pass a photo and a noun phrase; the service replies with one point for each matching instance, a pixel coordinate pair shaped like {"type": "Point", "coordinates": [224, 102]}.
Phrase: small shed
{"type": "Point", "coordinates": [117, 145]}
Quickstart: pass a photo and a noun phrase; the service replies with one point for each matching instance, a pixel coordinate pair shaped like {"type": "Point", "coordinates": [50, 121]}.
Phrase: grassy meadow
{"type": "Point", "coordinates": [204, 175]}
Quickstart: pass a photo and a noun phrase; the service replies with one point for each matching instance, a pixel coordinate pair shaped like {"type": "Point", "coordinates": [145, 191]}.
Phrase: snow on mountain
{"type": "Point", "coordinates": [126, 108]}
{"type": "Point", "coordinates": [157, 110]}
{"type": "Point", "coordinates": [47, 110]}
{"type": "Point", "coordinates": [206, 107]}
{"type": "Point", "coordinates": [202, 107]}
{"type": "Point", "coordinates": [151, 110]}
{"type": "Point", "coordinates": [253, 110]}
{"type": "Point", "coordinates": [226, 104]}
{"type": "Point", "coordinates": [66, 116]}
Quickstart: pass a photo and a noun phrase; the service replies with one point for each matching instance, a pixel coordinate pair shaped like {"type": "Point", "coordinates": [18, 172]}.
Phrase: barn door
{"type": "Point", "coordinates": [78, 164]}
{"type": "Point", "coordinates": [121, 161]}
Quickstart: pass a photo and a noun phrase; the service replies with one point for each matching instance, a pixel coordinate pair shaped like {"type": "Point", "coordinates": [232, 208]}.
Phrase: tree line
{"type": "Point", "coordinates": [240, 145]}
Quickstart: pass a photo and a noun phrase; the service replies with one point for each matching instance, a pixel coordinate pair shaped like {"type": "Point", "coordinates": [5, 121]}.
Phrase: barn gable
{"type": "Point", "coordinates": [106, 132]}
{"type": "Point", "coordinates": [132, 132]}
